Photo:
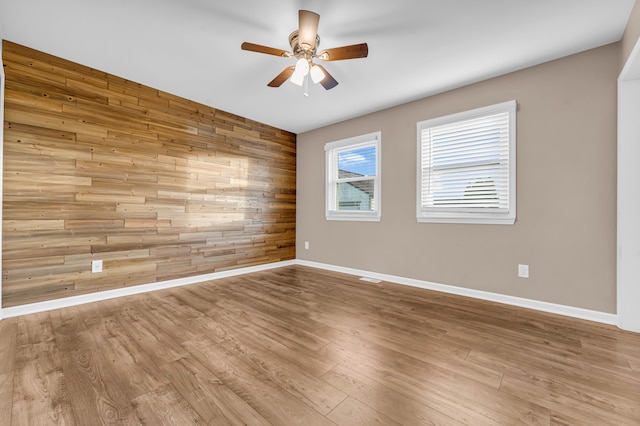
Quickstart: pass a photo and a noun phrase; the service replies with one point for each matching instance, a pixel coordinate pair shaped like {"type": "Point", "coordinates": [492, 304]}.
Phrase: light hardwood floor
{"type": "Point", "coordinates": [298, 345]}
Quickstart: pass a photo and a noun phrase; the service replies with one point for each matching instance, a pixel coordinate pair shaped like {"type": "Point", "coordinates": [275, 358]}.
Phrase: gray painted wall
{"type": "Point", "coordinates": [566, 191]}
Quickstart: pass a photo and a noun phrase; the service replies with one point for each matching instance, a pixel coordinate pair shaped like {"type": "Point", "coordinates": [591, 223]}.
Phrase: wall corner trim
{"type": "Point", "coordinates": [568, 311]}
{"type": "Point", "coordinates": [66, 302]}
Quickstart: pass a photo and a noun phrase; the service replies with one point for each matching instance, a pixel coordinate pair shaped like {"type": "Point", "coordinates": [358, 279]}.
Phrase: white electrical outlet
{"type": "Point", "coordinates": [523, 271]}
{"type": "Point", "coordinates": [306, 245]}
{"type": "Point", "coordinates": [96, 266]}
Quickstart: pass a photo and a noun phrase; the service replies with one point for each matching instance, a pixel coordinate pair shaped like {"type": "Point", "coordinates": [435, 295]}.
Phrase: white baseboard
{"type": "Point", "coordinates": [569, 311]}
{"type": "Point", "coordinates": [49, 305]}
{"type": "Point", "coordinates": [553, 308]}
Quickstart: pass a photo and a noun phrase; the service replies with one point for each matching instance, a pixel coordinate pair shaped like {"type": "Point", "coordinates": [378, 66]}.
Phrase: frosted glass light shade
{"type": "Point", "coordinates": [297, 78]}
{"type": "Point", "coordinates": [302, 69]}
{"type": "Point", "coordinates": [317, 75]}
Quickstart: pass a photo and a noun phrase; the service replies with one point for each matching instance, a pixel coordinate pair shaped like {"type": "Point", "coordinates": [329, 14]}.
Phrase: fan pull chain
{"type": "Point", "coordinates": [306, 86]}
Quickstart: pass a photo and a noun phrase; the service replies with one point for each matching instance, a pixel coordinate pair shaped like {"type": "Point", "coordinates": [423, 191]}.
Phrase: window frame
{"type": "Point", "coordinates": [469, 215]}
{"type": "Point", "coordinates": [331, 152]}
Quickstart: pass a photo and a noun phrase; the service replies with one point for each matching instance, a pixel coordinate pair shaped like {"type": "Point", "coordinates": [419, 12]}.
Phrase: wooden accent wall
{"type": "Point", "coordinates": [158, 187]}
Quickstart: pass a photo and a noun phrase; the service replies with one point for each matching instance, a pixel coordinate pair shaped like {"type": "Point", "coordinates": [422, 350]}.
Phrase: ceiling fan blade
{"type": "Point", "coordinates": [307, 28]}
{"type": "Point", "coordinates": [282, 77]}
{"type": "Point", "coordinates": [264, 49]}
{"type": "Point", "coordinates": [328, 82]}
{"type": "Point", "coordinates": [345, 52]}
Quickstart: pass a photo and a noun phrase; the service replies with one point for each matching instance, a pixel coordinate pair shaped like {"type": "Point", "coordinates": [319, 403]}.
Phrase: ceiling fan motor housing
{"type": "Point", "coordinates": [303, 51]}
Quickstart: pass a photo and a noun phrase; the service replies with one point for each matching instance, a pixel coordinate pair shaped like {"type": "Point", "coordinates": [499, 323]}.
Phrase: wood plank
{"type": "Point", "coordinates": [353, 412]}
{"type": "Point", "coordinates": [95, 399]}
{"type": "Point", "coordinates": [209, 396]}
{"type": "Point", "coordinates": [85, 152]}
{"type": "Point", "coordinates": [305, 387]}
{"type": "Point", "coordinates": [156, 343]}
{"type": "Point", "coordinates": [285, 347]}
{"type": "Point", "coordinates": [69, 330]}
{"type": "Point", "coordinates": [40, 393]}
{"type": "Point", "coordinates": [445, 391]}
{"type": "Point", "coordinates": [40, 389]}
{"type": "Point", "coordinates": [165, 406]}
{"type": "Point", "coordinates": [266, 397]}
{"type": "Point", "coordinates": [8, 342]}
{"type": "Point", "coordinates": [571, 373]}
{"type": "Point", "coordinates": [398, 407]}
{"type": "Point", "coordinates": [6, 392]}
{"type": "Point", "coordinates": [366, 344]}
{"type": "Point", "coordinates": [124, 362]}
{"type": "Point", "coordinates": [585, 404]}
{"type": "Point", "coordinates": [294, 345]}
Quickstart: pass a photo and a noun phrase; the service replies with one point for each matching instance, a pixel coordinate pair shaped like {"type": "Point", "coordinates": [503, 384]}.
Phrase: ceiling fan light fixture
{"type": "Point", "coordinates": [297, 78]}
{"type": "Point", "coordinates": [317, 75]}
{"type": "Point", "coordinates": [302, 70]}
{"type": "Point", "coordinates": [302, 66]}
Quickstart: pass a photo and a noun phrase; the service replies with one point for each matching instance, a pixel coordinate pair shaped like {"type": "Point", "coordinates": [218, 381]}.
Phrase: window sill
{"type": "Point", "coordinates": [354, 218]}
{"type": "Point", "coordinates": [470, 220]}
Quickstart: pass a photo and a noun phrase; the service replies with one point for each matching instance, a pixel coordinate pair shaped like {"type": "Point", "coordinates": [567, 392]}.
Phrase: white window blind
{"type": "Point", "coordinates": [466, 166]}
{"type": "Point", "coordinates": [353, 178]}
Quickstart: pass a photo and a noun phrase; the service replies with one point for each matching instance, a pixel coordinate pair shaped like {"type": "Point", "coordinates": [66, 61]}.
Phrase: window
{"type": "Point", "coordinates": [467, 166]}
{"type": "Point", "coordinates": [353, 178]}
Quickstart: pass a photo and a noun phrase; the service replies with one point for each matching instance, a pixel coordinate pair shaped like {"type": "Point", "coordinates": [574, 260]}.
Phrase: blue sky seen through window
{"type": "Point", "coordinates": [360, 160]}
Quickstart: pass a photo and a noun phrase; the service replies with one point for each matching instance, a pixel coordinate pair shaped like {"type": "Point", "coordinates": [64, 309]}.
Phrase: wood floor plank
{"type": "Point", "coordinates": [352, 412]}
{"type": "Point", "coordinates": [585, 404]}
{"type": "Point", "coordinates": [165, 406]}
{"type": "Point", "coordinates": [380, 309]}
{"type": "Point", "coordinates": [349, 320]}
{"type": "Point", "coordinates": [398, 407]}
{"type": "Point", "coordinates": [282, 345]}
{"type": "Point", "coordinates": [178, 310]}
{"type": "Point", "coordinates": [370, 345]}
{"type": "Point", "coordinates": [158, 345]}
{"type": "Point", "coordinates": [40, 389]}
{"type": "Point", "coordinates": [70, 331]}
{"type": "Point", "coordinates": [6, 391]}
{"type": "Point", "coordinates": [8, 343]}
{"type": "Point", "coordinates": [462, 330]}
{"type": "Point", "coordinates": [614, 357]}
{"type": "Point", "coordinates": [298, 345]}
{"type": "Point", "coordinates": [243, 302]}
{"type": "Point", "coordinates": [195, 301]}
{"type": "Point", "coordinates": [298, 382]}
{"type": "Point", "coordinates": [34, 329]}
{"type": "Point", "coordinates": [270, 305]}
{"type": "Point", "coordinates": [563, 419]}
{"type": "Point", "coordinates": [575, 375]}
{"type": "Point", "coordinates": [446, 392]}
{"type": "Point", "coordinates": [277, 325]}
{"type": "Point", "coordinates": [138, 373]}
{"type": "Point", "coordinates": [175, 328]}
{"type": "Point", "coordinates": [266, 397]}
{"type": "Point", "coordinates": [209, 396]}
{"type": "Point", "coordinates": [98, 395]}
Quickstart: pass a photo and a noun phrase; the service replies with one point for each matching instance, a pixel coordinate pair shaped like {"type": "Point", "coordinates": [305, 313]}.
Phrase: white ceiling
{"type": "Point", "coordinates": [417, 48]}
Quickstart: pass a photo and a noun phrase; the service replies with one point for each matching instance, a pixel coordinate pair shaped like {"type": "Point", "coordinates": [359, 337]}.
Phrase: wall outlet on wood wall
{"type": "Point", "coordinates": [96, 266]}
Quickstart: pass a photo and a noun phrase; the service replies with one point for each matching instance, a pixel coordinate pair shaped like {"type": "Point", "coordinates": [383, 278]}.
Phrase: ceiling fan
{"type": "Point", "coordinates": [304, 45]}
